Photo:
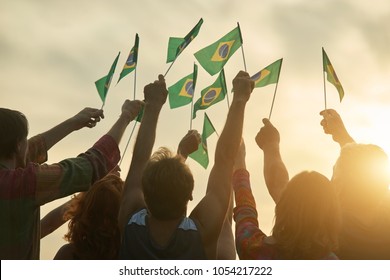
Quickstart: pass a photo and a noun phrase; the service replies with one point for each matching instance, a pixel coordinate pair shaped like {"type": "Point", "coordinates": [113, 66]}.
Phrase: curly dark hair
{"type": "Point", "coordinates": [93, 226]}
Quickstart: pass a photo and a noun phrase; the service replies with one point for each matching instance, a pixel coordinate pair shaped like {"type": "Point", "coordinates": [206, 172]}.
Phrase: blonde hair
{"type": "Point", "coordinates": [361, 174]}
{"type": "Point", "coordinates": [167, 185]}
{"type": "Point", "coordinates": [307, 218]}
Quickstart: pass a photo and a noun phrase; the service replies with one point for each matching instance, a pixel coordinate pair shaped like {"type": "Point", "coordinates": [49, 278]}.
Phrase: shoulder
{"type": "Point", "coordinates": [66, 252]}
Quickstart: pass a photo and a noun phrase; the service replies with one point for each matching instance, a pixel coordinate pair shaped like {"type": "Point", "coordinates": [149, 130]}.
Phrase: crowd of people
{"type": "Point", "coordinates": [145, 216]}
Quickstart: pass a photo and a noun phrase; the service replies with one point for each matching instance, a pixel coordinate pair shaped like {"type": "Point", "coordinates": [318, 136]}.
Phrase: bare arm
{"type": "Point", "coordinates": [130, 110]}
{"type": "Point", "coordinates": [211, 210]}
{"type": "Point", "coordinates": [275, 172]}
{"type": "Point", "coordinates": [88, 117]}
{"type": "Point", "coordinates": [133, 197]}
{"type": "Point", "coordinates": [333, 125]}
{"type": "Point", "coordinates": [53, 220]}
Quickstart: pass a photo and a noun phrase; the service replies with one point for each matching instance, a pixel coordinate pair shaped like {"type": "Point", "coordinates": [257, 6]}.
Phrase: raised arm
{"type": "Point", "coordinates": [211, 210]}
{"type": "Point", "coordinates": [88, 117]}
{"type": "Point", "coordinates": [189, 144]}
{"type": "Point", "coordinates": [133, 198]}
{"type": "Point", "coordinates": [275, 172]}
{"type": "Point", "coordinates": [54, 219]}
{"type": "Point", "coordinates": [333, 125]}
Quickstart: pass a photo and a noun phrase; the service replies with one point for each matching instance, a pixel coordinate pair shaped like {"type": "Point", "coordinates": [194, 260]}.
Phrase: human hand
{"type": "Point", "coordinates": [333, 125]}
{"type": "Point", "coordinates": [267, 136]}
{"type": "Point", "coordinates": [131, 109]}
{"type": "Point", "coordinates": [189, 143]}
{"type": "Point", "coordinates": [156, 93]}
{"type": "Point", "coordinates": [242, 86]}
{"type": "Point", "coordinates": [88, 117]}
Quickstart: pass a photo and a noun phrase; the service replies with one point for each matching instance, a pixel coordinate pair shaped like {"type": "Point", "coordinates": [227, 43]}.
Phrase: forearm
{"type": "Point", "coordinates": [57, 133]}
{"type": "Point", "coordinates": [275, 172]}
{"type": "Point", "coordinates": [247, 234]}
{"type": "Point", "coordinates": [133, 198]}
{"type": "Point", "coordinates": [344, 139]}
{"type": "Point", "coordinates": [119, 127]}
{"type": "Point", "coordinates": [229, 141]}
{"type": "Point", "coordinates": [53, 220]}
{"type": "Point", "coordinates": [146, 136]}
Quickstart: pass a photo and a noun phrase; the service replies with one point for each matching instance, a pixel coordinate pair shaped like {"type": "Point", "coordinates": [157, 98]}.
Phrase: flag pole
{"type": "Point", "coordinates": [273, 101]}
{"type": "Point", "coordinates": [276, 87]}
{"type": "Point", "coordinates": [135, 82]}
{"type": "Point", "coordinates": [192, 111]}
{"type": "Point", "coordinates": [324, 88]}
{"type": "Point", "coordinates": [242, 47]}
{"type": "Point", "coordinates": [212, 124]}
{"type": "Point", "coordinates": [169, 68]}
{"type": "Point", "coordinates": [131, 134]}
{"type": "Point", "coordinates": [127, 144]}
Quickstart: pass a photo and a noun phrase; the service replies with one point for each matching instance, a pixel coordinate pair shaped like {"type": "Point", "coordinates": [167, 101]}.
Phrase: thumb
{"type": "Point", "coordinates": [266, 122]}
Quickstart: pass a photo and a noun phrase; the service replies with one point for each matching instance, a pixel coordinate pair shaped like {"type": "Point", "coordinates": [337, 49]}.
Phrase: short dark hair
{"type": "Point", "coordinates": [167, 185]}
{"type": "Point", "coordinates": [13, 129]}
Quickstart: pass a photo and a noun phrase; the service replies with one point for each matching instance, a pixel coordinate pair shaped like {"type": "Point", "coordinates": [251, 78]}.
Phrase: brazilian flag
{"type": "Point", "coordinates": [103, 84]}
{"type": "Point", "coordinates": [212, 94]}
{"type": "Point", "coordinates": [214, 57]}
{"type": "Point", "coordinates": [331, 74]}
{"type": "Point", "coordinates": [268, 75]}
{"type": "Point", "coordinates": [177, 45]}
{"type": "Point", "coordinates": [182, 92]}
{"type": "Point", "coordinates": [201, 155]}
{"type": "Point", "coordinates": [131, 62]}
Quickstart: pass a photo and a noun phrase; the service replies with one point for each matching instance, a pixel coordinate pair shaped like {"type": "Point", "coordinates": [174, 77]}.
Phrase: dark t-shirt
{"type": "Point", "coordinates": [137, 244]}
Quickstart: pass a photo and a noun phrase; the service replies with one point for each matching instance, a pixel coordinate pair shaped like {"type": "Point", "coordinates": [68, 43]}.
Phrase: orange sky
{"type": "Point", "coordinates": [52, 53]}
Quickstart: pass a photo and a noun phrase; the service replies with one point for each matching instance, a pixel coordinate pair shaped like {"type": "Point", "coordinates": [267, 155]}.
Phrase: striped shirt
{"type": "Point", "coordinates": [24, 190]}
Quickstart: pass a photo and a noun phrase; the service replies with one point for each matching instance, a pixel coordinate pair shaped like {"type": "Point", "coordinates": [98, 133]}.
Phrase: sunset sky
{"type": "Point", "coordinates": [52, 52]}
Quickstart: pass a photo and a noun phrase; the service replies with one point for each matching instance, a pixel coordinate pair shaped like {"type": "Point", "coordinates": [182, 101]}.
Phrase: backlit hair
{"type": "Point", "coordinates": [93, 228]}
{"type": "Point", "coordinates": [307, 218]}
{"type": "Point", "coordinates": [361, 173]}
{"type": "Point", "coordinates": [167, 185]}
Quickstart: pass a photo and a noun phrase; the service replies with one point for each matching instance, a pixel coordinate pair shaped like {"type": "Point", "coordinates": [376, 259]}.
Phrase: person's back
{"type": "Point", "coordinates": [362, 241]}
{"type": "Point", "coordinates": [361, 177]}
{"type": "Point", "coordinates": [162, 231]}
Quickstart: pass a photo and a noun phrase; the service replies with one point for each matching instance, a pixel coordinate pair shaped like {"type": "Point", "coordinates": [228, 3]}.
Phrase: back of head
{"type": "Point", "coordinates": [93, 227]}
{"type": "Point", "coordinates": [361, 175]}
{"type": "Point", "coordinates": [167, 185]}
{"type": "Point", "coordinates": [13, 129]}
{"type": "Point", "coordinates": [307, 217]}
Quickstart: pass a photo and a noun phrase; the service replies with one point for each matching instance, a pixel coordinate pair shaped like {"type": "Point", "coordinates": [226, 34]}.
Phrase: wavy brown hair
{"type": "Point", "coordinates": [93, 226]}
{"type": "Point", "coordinates": [307, 218]}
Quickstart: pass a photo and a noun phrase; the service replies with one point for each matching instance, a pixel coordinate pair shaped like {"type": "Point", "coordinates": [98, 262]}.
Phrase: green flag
{"type": "Point", "coordinates": [177, 45]}
{"type": "Point", "coordinates": [201, 155]}
{"type": "Point", "coordinates": [269, 75]}
{"type": "Point", "coordinates": [182, 92]}
{"type": "Point", "coordinates": [331, 74]}
{"type": "Point", "coordinates": [214, 57]}
{"type": "Point", "coordinates": [131, 62]}
{"type": "Point", "coordinates": [103, 84]}
{"type": "Point", "coordinates": [212, 94]}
